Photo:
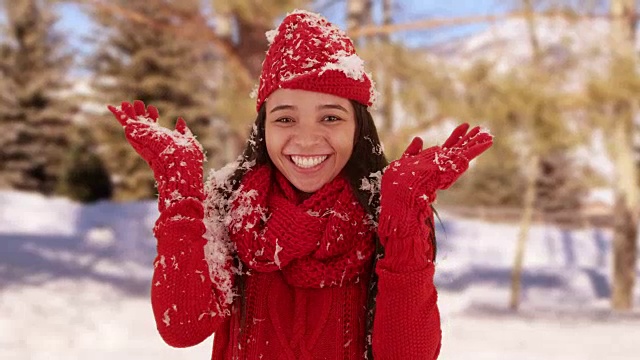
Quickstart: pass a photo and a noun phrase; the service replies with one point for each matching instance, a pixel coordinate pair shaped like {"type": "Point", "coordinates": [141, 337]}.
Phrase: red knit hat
{"type": "Point", "coordinates": [307, 52]}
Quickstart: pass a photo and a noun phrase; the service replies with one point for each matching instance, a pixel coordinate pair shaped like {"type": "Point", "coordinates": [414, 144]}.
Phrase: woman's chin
{"type": "Point", "coordinates": [307, 185]}
{"type": "Point", "coordinates": [309, 179]}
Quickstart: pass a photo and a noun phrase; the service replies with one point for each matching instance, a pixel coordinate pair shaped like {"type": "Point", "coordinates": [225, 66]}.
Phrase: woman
{"type": "Point", "coordinates": [310, 246]}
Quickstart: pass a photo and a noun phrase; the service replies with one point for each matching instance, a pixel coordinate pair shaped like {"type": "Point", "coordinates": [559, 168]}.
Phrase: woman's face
{"type": "Point", "coordinates": [309, 136]}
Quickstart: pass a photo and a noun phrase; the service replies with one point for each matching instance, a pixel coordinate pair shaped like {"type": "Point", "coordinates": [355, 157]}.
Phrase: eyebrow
{"type": "Point", "coordinates": [332, 106]}
{"type": "Point", "coordinates": [282, 107]}
{"type": "Point", "coordinates": [319, 107]}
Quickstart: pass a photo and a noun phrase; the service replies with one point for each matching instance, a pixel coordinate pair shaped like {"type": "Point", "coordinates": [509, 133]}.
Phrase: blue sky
{"type": "Point", "coordinates": [412, 10]}
{"type": "Point", "coordinates": [75, 23]}
{"type": "Point", "coordinates": [416, 10]}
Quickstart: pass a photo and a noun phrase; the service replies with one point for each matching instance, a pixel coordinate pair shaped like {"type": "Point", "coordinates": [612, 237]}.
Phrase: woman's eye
{"type": "Point", "coordinates": [284, 120]}
{"type": "Point", "coordinates": [331, 118]}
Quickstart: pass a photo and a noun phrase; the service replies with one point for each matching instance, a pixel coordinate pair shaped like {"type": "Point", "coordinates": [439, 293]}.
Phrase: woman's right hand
{"type": "Point", "coordinates": [175, 156]}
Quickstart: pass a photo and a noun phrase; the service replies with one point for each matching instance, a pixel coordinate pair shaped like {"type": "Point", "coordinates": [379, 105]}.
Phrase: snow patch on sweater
{"type": "Point", "coordinates": [372, 184]}
{"type": "Point", "coordinates": [220, 249]}
{"type": "Point", "coordinates": [276, 259]}
{"type": "Point", "coordinates": [183, 140]}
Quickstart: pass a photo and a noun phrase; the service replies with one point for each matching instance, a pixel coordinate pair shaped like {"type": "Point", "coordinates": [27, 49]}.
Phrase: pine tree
{"type": "Point", "coordinates": [558, 189]}
{"type": "Point", "coordinates": [85, 178]}
{"type": "Point", "coordinates": [496, 181]}
{"type": "Point", "coordinates": [494, 100]}
{"type": "Point", "coordinates": [143, 56]}
{"type": "Point", "coordinates": [35, 112]}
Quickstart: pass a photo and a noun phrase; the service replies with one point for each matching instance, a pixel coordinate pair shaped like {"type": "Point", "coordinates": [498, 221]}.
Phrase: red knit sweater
{"type": "Point", "coordinates": [284, 322]}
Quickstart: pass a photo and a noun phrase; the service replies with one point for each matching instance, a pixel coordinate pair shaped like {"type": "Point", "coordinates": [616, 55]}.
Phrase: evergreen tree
{"type": "Point", "coordinates": [524, 110]}
{"type": "Point", "coordinates": [498, 179]}
{"type": "Point", "coordinates": [143, 55]}
{"type": "Point", "coordinates": [35, 112]}
{"type": "Point", "coordinates": [557, 191]}
{"type": "Point", "coordinates": [85, 178]}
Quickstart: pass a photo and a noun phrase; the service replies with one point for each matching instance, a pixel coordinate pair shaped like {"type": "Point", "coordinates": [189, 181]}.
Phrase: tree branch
{"type": "Point", "coordinates": [457, 21]}
{"type": "Point", "coordinates": [196, 29]}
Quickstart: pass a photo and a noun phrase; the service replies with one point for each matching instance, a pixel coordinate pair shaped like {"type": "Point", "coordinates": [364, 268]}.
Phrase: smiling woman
{"type": "Point", "coordinates": [309, 246]}
{"type": "Point", "coordinates": [309, 136]}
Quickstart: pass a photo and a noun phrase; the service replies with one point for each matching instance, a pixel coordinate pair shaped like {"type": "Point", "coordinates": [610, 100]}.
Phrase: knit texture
{"type": "Point", "coordinates": [175, 156]}
{"type": "Point", "coordinates": [324, 240]}
{"type": "Point", "coordinates": [186, 302]}
{"type": "Point", "coordinates": [292, 323]}
{"type": "Point", "coordinates": [307, 52]}
{"type": "Point", "coordinates": [407, 321]}
{"type": "Point", "coordinates": [409, 187]}
{"type": "Point", "coordinates": [319, 314]}
{"type": "Point", "coordinates": [283, 321]}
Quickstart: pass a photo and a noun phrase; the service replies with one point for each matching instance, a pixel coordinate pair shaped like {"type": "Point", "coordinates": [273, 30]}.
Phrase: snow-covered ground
{"type": "Point", "coordinates": [74, 283]}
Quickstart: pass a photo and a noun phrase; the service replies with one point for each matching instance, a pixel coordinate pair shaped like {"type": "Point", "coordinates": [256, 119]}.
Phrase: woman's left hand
{"type": "Point", "coordinates": [410, 183]}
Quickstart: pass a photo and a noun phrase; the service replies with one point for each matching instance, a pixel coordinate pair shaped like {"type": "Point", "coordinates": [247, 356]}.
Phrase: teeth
{"type": "Point", "coordinates": [308, 161]}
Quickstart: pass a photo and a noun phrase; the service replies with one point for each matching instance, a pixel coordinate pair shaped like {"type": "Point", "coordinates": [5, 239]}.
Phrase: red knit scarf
{"type": "Point", "coordinates": [324, 240]}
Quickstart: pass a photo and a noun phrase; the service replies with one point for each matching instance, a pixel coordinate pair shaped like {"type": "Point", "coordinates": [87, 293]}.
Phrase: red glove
{"type": "Point", "coordinates": [175, 157]}
{"type": "Point", "coordinates": [409, 186]}
{"type": "Point", "coordinates": [187, 304]}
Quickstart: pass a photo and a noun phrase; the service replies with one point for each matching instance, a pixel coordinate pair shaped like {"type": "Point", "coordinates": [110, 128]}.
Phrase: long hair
{"type": "Point", "coordinates": [366, 159]}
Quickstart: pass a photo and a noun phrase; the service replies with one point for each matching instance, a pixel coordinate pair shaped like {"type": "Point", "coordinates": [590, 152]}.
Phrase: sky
{"type": "Point", "coordinates": [76, 23]}
{"type": "Point", "coordinates": [412, 10]}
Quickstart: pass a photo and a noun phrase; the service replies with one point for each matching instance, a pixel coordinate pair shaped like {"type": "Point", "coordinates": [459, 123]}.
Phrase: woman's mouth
{"type": "Point", "coordinates": [308, 162]}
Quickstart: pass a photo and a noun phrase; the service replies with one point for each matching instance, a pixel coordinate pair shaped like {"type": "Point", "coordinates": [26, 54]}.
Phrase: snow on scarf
{"type": "Point", "coordinates": [324, 240]}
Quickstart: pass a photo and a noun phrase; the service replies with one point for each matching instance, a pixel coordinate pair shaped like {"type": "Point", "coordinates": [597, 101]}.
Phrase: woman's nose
{"type": "Point", "coordinates": [307, 135]}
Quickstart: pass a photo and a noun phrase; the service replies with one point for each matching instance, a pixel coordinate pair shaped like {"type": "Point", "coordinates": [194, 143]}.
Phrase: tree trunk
{"type": "Point", "coordinates": [532, 173]}
{"type": "Point", "coordinates": [525, 225]}
{"type": "Point", "coordinates": [387, 81]}
{"type": "Point", "coordinates": [531, 27]}
{"type": "Point", "coordinates": [625, 215]}
{"type": "Point", "coordinates": [626, 188]}
{"type": "Point", "coordinates": [224, 25]}
{"type": "Point", "coordinates": [359, 14]}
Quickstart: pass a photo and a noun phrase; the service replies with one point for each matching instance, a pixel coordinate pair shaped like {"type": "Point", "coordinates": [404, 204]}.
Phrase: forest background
{"type": "Point", "coordinates": [556, 81]}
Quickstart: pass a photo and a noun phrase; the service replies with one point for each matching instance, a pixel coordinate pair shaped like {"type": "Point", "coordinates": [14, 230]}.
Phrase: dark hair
{"type": "Point", "coordinates": [367, 158]}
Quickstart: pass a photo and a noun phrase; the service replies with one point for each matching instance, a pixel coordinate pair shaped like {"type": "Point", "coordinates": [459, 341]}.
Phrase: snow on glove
{"type": "Point", "coordinates": [188, 303]}
{"type": "Point", "coordinates": [175, 156]}
{"type": "Point", "coordinates": [409, 186]}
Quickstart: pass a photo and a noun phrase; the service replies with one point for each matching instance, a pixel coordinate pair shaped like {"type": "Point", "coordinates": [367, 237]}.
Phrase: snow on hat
{"type": "Point", "coordinates": [307, 52]}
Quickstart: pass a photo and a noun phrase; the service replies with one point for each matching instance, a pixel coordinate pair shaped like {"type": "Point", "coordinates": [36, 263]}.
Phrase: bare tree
{"type": "Point", "coordinates": [532, 161]}
{"type": "Point", "coordinates": [387, 84]}
{"type": "Point", "coordinates": [358, 16]}
{"type": "Point", "coordinates": [626, 188]}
